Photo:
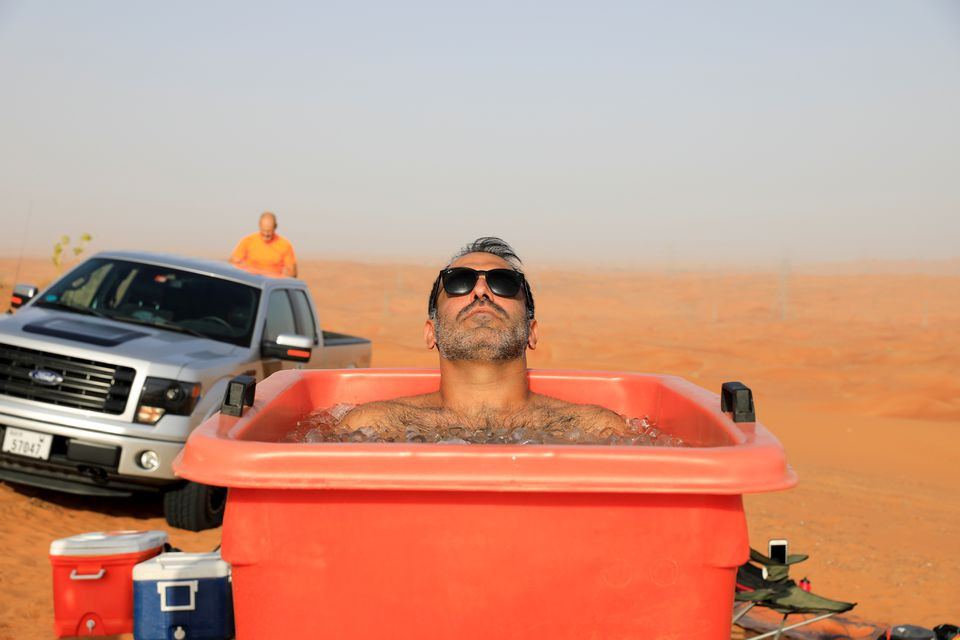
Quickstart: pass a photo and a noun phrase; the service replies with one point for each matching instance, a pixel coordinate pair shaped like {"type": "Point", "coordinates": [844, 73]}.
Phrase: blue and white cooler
{"type": "Point", "coordinates": [183, 596]}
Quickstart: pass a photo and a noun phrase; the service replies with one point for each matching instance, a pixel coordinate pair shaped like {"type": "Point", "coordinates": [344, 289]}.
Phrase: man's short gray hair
{"type": "Point", "coordinates": [493, 245]}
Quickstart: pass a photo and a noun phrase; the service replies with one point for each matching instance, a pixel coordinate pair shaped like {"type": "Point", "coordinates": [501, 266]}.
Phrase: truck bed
{"type": "Point", "coordinates": [344, 351]}
{"type": "Point", "coordinates": [333, 339]}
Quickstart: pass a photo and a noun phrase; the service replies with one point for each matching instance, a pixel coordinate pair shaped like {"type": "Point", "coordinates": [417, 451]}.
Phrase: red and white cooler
{"type": "Point", "coordinates": [93, 580]}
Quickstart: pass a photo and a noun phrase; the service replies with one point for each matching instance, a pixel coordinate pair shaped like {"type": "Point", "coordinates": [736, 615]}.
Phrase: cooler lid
{"type": "Point", "coordinates": [179, 565]}
{"type": "Point", "coordinates": [105, 543]}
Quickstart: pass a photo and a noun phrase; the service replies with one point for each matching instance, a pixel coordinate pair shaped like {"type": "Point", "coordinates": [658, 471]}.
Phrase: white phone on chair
{"type": "Point", "coordinates": [778, 550]}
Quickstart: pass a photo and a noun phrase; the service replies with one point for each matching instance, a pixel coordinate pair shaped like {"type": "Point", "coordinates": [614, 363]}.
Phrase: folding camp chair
{"type": "Point", "coordinates": [764, 582]}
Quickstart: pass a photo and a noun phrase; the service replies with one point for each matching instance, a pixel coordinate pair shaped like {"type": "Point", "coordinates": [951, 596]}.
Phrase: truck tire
{"type": "Point", "coordinates": [195, 506]}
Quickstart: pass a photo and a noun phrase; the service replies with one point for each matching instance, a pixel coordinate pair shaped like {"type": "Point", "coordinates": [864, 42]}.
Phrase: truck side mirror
{"type": "Point", "coordinates": [288, 346]}
{"type": "Point", "coordinates": [22, 294]}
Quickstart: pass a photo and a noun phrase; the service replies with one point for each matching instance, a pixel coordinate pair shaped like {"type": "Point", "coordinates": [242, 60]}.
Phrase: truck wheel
{"type": "Point", "coordinates": [195, 506]}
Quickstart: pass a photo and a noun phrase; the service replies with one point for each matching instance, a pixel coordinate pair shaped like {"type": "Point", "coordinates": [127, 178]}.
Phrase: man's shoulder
{"type": "Point", "coordinates": [592, 414]}
{"type": "Point", "coordinates": [245, 240]}
{"type": "Point", "coordinates": [250, 238]}
{"type": "Point", "coordinates": [282, 242]}
{"type": "Point", "coordinates": [373, 412]}
{"type": "Point", "coordinates": [551, 402]}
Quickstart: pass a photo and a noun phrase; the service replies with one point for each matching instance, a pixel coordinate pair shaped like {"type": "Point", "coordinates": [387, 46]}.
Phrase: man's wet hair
{"type": "Point", "coordinates": [492, 245]}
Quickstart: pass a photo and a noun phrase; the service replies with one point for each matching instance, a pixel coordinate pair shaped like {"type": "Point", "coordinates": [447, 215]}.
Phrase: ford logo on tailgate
{"type": "Point", "coordinates": [46, 377]}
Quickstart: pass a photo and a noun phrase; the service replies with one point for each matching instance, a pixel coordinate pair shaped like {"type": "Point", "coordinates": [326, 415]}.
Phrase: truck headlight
{"type": "Point", "coordinates": [161, 396]}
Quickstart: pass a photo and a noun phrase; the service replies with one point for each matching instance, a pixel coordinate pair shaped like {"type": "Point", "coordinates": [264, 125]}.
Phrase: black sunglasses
{"type": "Point", "coordinates": [459, 281]}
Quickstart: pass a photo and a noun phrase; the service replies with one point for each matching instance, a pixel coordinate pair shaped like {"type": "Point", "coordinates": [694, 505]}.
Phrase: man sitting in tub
{"type": "Point", "coordinates": [481, 321]}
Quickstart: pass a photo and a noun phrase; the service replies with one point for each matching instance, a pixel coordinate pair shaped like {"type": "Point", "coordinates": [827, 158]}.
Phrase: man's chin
{"type": "Point", "coordinates": [480, 321]}
{"type": "Point", "coordinates": [481, 352]}
{"type": "Point", "coordinates": [485, 327]}
{"type": "Point", "coordinates": [480, 338]}
{"type": "Point", "coordinates": [482, 358]}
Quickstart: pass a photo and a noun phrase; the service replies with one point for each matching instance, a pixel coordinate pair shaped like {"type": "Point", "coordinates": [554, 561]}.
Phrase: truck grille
{"type": "Point", "coordinates": [85, 384]}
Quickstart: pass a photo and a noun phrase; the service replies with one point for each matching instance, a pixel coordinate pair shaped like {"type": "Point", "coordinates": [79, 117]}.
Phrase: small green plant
{"type": "Point", "coordinates": [60, 248]}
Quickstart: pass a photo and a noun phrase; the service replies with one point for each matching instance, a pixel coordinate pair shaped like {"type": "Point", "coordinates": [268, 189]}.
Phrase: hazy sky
{"type": "Point", "coordinates": [615, 131]}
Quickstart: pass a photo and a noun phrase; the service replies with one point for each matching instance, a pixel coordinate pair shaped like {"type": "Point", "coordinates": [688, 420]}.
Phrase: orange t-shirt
{"type": "Point", "coordinates": [254, 254]}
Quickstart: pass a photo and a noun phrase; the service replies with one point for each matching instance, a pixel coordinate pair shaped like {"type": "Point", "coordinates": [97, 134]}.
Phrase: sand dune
{"type": "Point", "coordinates": [856, 371]}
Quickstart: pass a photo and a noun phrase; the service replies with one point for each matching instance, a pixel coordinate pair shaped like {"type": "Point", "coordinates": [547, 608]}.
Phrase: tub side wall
{"type": "Point", "coordinates": [366, 564]}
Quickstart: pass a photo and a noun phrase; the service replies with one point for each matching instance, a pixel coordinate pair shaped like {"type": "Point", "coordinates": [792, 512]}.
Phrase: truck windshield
{"type": "Point", "coordinates": [167, 298]}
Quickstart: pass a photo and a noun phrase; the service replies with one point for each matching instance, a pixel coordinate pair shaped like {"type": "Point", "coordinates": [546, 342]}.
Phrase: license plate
{"type": "Point", "coordinates": [27, 443]}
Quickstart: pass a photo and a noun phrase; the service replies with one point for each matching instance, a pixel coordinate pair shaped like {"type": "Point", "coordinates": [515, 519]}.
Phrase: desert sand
{"type": "Point", "coordinates": [855, 368]}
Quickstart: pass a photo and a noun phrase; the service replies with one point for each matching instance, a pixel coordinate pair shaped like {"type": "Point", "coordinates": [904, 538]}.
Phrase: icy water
{"type": "Point", "coordinates": [323, 425]}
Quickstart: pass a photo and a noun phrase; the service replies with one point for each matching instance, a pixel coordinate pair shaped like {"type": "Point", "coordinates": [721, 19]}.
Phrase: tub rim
{"type": "Point", "coordinates": [216, 453]}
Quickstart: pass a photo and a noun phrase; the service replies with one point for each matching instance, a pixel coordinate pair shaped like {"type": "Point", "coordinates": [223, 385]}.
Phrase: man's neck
{"type": "Point", "coordinates": [468, 386]}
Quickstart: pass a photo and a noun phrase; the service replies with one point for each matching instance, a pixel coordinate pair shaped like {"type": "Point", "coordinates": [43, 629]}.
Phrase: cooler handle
{"type": "Point", "coordinates": [162, 587]}
{"type": "Point", "coordinates": [87, 576]}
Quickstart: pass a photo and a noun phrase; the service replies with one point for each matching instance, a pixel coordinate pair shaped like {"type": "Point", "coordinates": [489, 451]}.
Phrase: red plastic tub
{"type": "Point", "coordinates": [386, 540]}
{"type": "Point", "coordinates": [93, 580]}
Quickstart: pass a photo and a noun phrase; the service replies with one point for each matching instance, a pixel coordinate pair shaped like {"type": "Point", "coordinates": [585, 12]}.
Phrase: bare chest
{"type": "Point", "coordinates": [441, 419]}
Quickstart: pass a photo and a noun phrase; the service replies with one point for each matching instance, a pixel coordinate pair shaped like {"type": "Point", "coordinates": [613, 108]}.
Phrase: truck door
{"type": "Point", "coordinates": [307, 326]}
{"type": "Point", "coordinates": [280, 319]}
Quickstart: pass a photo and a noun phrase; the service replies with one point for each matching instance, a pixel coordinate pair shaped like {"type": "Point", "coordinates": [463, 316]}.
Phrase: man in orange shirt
{"type": "Point", "coordinates": [266, 252]}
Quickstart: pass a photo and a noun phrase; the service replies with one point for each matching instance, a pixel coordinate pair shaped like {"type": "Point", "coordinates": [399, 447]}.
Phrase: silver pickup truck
{"type": "Point", "coordinates": [105, 373]}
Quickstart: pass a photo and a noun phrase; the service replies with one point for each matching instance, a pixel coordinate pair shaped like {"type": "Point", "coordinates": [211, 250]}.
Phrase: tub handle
{"type": "Point", "coordinates": [87, 576]}
{"type": "Point", "coordinates": [162, 587]}
{"type": "Point", "coordinates": [737, 398]}
{"type": "Point", "coordinates": [240, 393]}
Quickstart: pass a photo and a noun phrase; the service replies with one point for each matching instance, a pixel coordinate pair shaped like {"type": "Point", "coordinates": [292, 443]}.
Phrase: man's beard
{"type": "Point", "coordinates": [458, 342]}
